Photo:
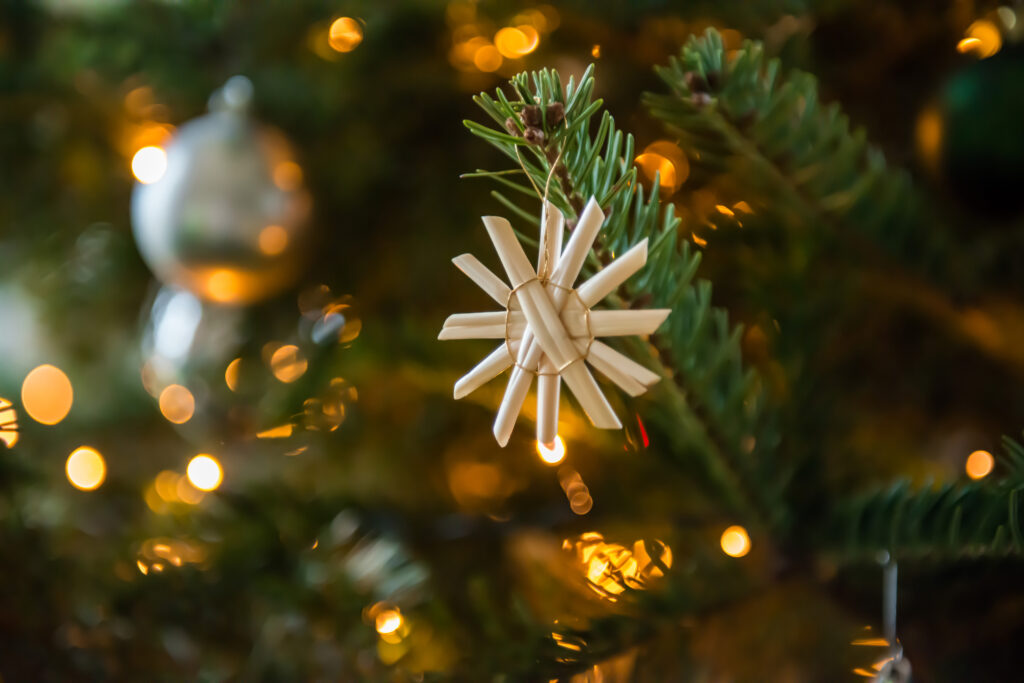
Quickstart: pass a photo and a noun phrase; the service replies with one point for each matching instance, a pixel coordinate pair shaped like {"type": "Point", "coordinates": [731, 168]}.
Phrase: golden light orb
{"type": "Point", "coordinates": [288, 364]}
{"type": "Point", "coordinates": [204, 472]}
{"type": "Point", "coordinates": [46, 394]}
{"type": "Point", "coordinates": [85, 468]}
{"type": "Point", "coordinates": [735, 541]}
{"type": "Point", "coordinates": [487, 58]}
{"type": "Point", "coordinates": [388, 621]}
{"type": "Point", "coordinates": [149, 164]}
{"type": "Point", "coordinates": [552, 454]}
{"type": "Point", "coordinates": [345, 34]}
{"type": "Point", "coordinates": [273, 240]}
{"type": "Point", "coordinates": [979, 464]}
{"type": "Point", "coordinates": [177, 404]}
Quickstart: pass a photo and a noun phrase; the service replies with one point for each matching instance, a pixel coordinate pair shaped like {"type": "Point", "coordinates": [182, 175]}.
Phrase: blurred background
{"type": "Point", "coordinates": [231, 448]}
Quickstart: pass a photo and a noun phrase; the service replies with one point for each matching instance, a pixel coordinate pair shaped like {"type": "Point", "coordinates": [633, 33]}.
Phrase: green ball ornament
{"type": "Point", "coordinates": [981, 150]}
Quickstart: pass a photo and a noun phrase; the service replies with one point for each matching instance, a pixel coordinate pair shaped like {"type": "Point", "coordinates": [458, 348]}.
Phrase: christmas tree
{"type": "Point", "coordinates": [791, 300]}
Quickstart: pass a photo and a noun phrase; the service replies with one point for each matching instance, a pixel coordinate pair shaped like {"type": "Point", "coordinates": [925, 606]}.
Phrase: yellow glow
{"type": "Point", "coordinates": [552, 454]}
{"type": "Point", "coordinates": [532, 38]}
{"type": "Point", "coordinates": [149, 164]}
{"type": "Point", "coordinates": [487, 58]}
{"type": "Point", "coordinates": [288, 175]}
{"type": "Point", "coordinates": [983, 38]}
{"type": "Point", "coordinates": [288, 364]}
{"type": "Point", "coordinates": [514, 42]}
{"type": "Point", "coordinates": [204, 472]}
{"type": "Point", "coordinates": [388, 621]}
{"type": "Point", "coordinates": [85, 468]}
{"type": "Point", "coordinates": [273, 240]}
{"type": "Point", "coordinates": [870, 642]}
{"type": "Point", "coordinates": [725, 210]}
{"type": "Point", "coordinates": [231, 374]}
{"type": "Point", "coordinates": [595, 51]}
{"type": "Point", "coordinates": [224, 285]}
{"type": "Point", "coordinates": [345, 34]}
{"type": "Point", "coordinates": [188, 493]}
{"type": "Point", "coordinates": [8, 423]}
{"type": "Point", "coordinates": [177, 404]}
{"type": "Point", "coordinates": [979, 464]}
{"type": "Point", "coordinates": [282, 432]}
{"type": "Point", "coordinates": [735, 541]}
{"type": "Point", "coordinates": [166, 486]}
{"type": "Point", "coordinates": [46, 394]}
{"type": "Point", "coordinates": [929, 136]}
{"type": "Point", "coordinates": [699, 241]}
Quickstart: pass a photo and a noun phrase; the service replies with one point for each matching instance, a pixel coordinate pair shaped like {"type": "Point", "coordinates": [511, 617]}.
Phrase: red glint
{"type": "Point", "coordinates": [643, 431]}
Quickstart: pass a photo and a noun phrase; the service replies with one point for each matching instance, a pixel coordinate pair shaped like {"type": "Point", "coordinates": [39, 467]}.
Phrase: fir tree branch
{"type": "Point", "coordinates": [944, 522]}
{"type": "Point", "coordinates": [710, 408]}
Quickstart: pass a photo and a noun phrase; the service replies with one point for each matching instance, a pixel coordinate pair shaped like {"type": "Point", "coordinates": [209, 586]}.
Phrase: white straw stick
{"type": "Point", "coordinates": [620, 323]}
{"type": "Point", "coordinates": [483, 277]}
{"type": "Point", "coordinates": [626, 364]}
{"type": "Point", "coordinates": [608, 279]}
{"type": "Point", "coordinates": [548, 385]}
{"type": "Point", "coordinates": [486, 370]}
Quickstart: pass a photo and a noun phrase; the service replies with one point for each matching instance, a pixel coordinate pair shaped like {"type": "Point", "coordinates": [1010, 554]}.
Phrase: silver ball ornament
{"type": "Point", "coordinates": [226, 217]}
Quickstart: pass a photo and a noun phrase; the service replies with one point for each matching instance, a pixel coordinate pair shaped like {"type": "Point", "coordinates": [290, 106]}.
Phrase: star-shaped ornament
{"type": "Point", "coordinates": [548, 327]}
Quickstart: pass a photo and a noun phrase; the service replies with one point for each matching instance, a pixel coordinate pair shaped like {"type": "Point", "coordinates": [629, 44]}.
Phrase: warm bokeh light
{"type": "Point", "coordinates": [982, 38]}
{"type": "Point", "coordinates": [595, 51]}
{"type": "Point", "coordinates": [149, 164]}
{"type": "Point", "coordinates": [224, 285]}
{"type": "Point", "coordinates": [552, 454]}
{"type": "Point", "coordinates": [188, 493]}
{"type": "Point", "coordinates": [177, 404]}
{"type": "Point", "coordinates": [979, 464]}
{"type": "Point", "coordinates": [8, 423]}
{"type": "Point", "coordinates": [576, 491]}
{"type": "Point", "coordinates": [46, 394]}
{"type": "Point", "coordinates": [288, 364]}
{"type": "Point", "coordinates": [273, 240]}
{"type": "Point", "coordinates": [288, 175]}
{"type": "Point", "coordinates": [345, 34]}
{"type": "Point", "coordinates": [231, 374]}
{"type": "Point", "coordinates": [929, 134]}
{"type": "Point", "coordinates": [735, 541]}
{"type": "Point", "coordinates": [204, 472]}
{"type": "Point", "coordinates": [514, 42]}
{"type": "Point", "coordinates": [487, 58]}
{"type": "Point", "coordinates": [279, 432]}
{"type": "Point", "coordinates": [388, 621]}
{"type": "Point", "coordinates": [85, 468]}
{"type": "Point", "coordinates": [166, 486]}
{"type": "Point", "coordinates": [667, 160]}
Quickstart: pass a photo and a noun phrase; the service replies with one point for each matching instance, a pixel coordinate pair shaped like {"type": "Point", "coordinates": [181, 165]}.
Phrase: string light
{"type": "Point", "coordinates": [204, 472]}
{"type": "Point", "coordinates": [979, 464]}
{"type": "Point", "coordinates": [552, 454]}
{"type": "Point", "coordinates": [85, 468]}
{"type": "Point", "coordinates": [735, 541]}
{"type": "Point", "coordinates": [46, 394]}
{"type": "Point", "coordinates": [149, 164]}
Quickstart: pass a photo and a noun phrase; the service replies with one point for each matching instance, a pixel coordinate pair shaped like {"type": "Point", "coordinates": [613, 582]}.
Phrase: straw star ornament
{"type": "Point", "coordinates": [548, 327]}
